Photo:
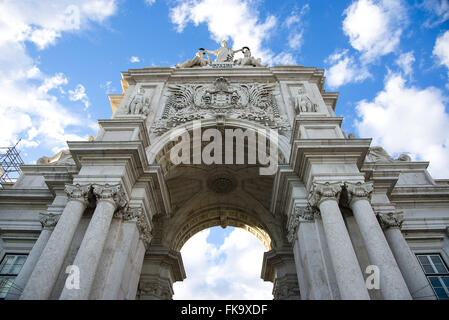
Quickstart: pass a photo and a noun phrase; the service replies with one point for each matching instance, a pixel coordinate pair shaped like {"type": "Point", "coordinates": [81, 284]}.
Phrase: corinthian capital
{"type": "Point", "coordinates": [77, 191]}
{"type": "Point", "coordinates": [357, 190]}
{"type": "Point", "coordinates": [390, 219]}
{"type": "Point", "coordinates": [48, 220]}
{"type": "Point", "coordinates": [112, 193]}
{"type": "Point", "coordinates": [324, 191]}
{"type": "Point", "coordinates": [301, 214]}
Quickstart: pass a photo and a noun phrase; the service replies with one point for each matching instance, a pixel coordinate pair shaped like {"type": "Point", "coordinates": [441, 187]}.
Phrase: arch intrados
{"type": "Point", "coordinates": [218, 216]}
{"type": "Point", "coordinates": [160, 148]}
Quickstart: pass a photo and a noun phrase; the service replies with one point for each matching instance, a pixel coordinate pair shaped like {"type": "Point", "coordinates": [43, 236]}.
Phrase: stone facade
{"type": "Point", "coordinates": [119, 210]}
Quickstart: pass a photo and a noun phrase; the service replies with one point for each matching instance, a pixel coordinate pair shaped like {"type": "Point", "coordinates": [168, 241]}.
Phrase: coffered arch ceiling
{"type": "Point", "coordinates": [204, 196]}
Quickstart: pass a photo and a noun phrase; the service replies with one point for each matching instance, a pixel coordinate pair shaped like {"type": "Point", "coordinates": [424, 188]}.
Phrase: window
{"type": "Point", "coordinates": [9, 269]}
{"type": "Point", "coordinates": [436, 272]}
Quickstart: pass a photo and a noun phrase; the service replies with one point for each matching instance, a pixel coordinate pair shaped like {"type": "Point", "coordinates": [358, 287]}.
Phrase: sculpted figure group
{"type": "Point", "coordinates": [222, 55]}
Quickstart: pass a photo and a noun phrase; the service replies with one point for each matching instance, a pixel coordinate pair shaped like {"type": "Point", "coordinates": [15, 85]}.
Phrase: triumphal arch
{"type": "Point", "coordinates": [227, 141]}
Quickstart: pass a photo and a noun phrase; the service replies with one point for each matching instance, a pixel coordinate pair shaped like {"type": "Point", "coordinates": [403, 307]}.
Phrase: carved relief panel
{"type": "Point", "coordinates": [251, 101]}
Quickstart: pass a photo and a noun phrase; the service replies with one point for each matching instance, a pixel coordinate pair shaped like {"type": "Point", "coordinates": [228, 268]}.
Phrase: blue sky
{"type": "Point", "coordinates": [389, 59]}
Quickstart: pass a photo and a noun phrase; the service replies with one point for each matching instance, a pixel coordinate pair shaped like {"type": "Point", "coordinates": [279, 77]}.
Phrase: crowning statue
{"type": "Point", "coordinates": [223, 55]}
{"type": "Point", "coordinates": [248, 60]}
{"type": "Point", "coordinates": [303, 103]}
{"type": "Point", "coordinates": [198, 60]}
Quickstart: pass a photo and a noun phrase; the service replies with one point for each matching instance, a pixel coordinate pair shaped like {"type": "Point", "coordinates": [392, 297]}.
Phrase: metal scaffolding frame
{"type": "Point", "coordinates": [10, 162]}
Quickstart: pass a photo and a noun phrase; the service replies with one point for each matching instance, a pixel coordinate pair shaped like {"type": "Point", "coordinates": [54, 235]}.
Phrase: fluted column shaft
{"type": "Point", "coordinates": [411, 270]}
{"type": "Point", "coordinates": [347, 269]}
{"type": "Point", "coordinates": [48, 221]}
{"type": "Point", "coordinates": [89, 253]}
{"type": "Point", "coordinates": [308, 252]}
{"type": "Point", "coordinates": [392, 284]}
{"type": "Point", "coordinates": [47, 268]}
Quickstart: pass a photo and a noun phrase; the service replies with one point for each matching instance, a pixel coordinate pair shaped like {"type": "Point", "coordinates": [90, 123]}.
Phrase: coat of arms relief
{"type": "Point", "coordinates": [251, 101]}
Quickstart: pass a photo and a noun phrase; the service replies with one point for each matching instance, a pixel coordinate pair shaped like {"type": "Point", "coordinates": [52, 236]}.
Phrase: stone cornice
{"type": "Point", "coordinates": [172, 258]}
{"type": "Point", "coordinates": [307, 151]}
{"type": "Point", "coordinates": [25, 196]}
{"type": "Point", "coordinates": [122, 122]}
{"type": "Point", "coordinates": [324, 191]}
{"type": "Point", "coordinates": [273, 258]}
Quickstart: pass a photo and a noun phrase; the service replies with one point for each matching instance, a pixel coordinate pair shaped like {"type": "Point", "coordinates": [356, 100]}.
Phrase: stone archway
{"type": "Point", "coordinates": [203, 196]}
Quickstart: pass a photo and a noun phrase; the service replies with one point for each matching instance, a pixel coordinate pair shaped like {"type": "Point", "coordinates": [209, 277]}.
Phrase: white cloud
{"type": "Point", "coordinates": [294, 22]}
{"type": "Point", "coordinates": [79, 94]}
{"type": "Point", "coordinates": [344, 70]}
{"type": "Point", "coordinates": [405, 62]}
{"type": "Point", "coordinates": [408, 119]}
{"type": "Point", "coordinates": [284, 58]}
{"type": "Point", "coordinates": [235, 19]}
{"type": "Point", "coordinates": [441, 49]}
{"type": "Point", "coordinates": [439, 10]}
{"type": "Point", "coordinates": [108, 87]}
{"type": "Point", "coordinates": [31, 107]}
{"type": "Point", "coordinates": [230, 271]}
{"type": "Point", "coordinates": [134, 59]}
{"type": "Point", "coordinates": [150, 2]}
{"type": "Point", "coordinates": [374, 27]}
{"type": "Point", "coordinates": [42, 22]}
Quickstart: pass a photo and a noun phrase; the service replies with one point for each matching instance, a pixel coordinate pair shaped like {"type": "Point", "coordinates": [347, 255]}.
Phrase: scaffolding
{"type": "Point", "coordinates": [10, 162]}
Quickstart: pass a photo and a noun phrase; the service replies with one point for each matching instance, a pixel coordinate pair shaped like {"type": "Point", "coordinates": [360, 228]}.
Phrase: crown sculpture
{"type": "Point", "coordinates": [224, 57]}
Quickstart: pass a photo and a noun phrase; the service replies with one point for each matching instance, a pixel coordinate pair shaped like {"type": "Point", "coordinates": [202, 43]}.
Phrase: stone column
{"type": "Point", "coordinates": [133, 284]}
{"type": "Point", "coordinates": [346, 266]}
{"type": "Point", "coordinates": [412, 272]}
{"type": "Point", "coordinates": [302, 233]}
{"type": "Point", "coordinates": [48, 222]}
{"type": "Point", "coordinates": [128, 255]}
{"type": "Point", "coordinates": [392, 284]}
{"type": "Point", "coordinates": [109, 198]}
{"type": "Point", "coordinates": [48, 266]}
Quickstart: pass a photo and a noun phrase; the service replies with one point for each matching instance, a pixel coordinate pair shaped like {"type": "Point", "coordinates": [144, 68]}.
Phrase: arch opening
{"type": "Point", "coordinates": [223, 263]}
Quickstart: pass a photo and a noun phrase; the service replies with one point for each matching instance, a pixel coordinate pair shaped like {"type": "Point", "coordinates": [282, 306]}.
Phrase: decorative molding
{"type": "Point", "coordinates": [251, 101]}
{"type": "Point", "coordinates": [77, 191]}
{"type": "Point", "coordinates": [359, 190]}
{"type": "Point", "coordinates": [156, 288]}
{"type": "Point", "coordinates": [391, 219]}
{"type": "Point", "coordinates": [300, 214]}
{"type": "Point", "coordinates": [324, 191]}
{"type": "Point", "coordinates": [145, 229]}
{"type": "Point", "coordinates": [48, 220]}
